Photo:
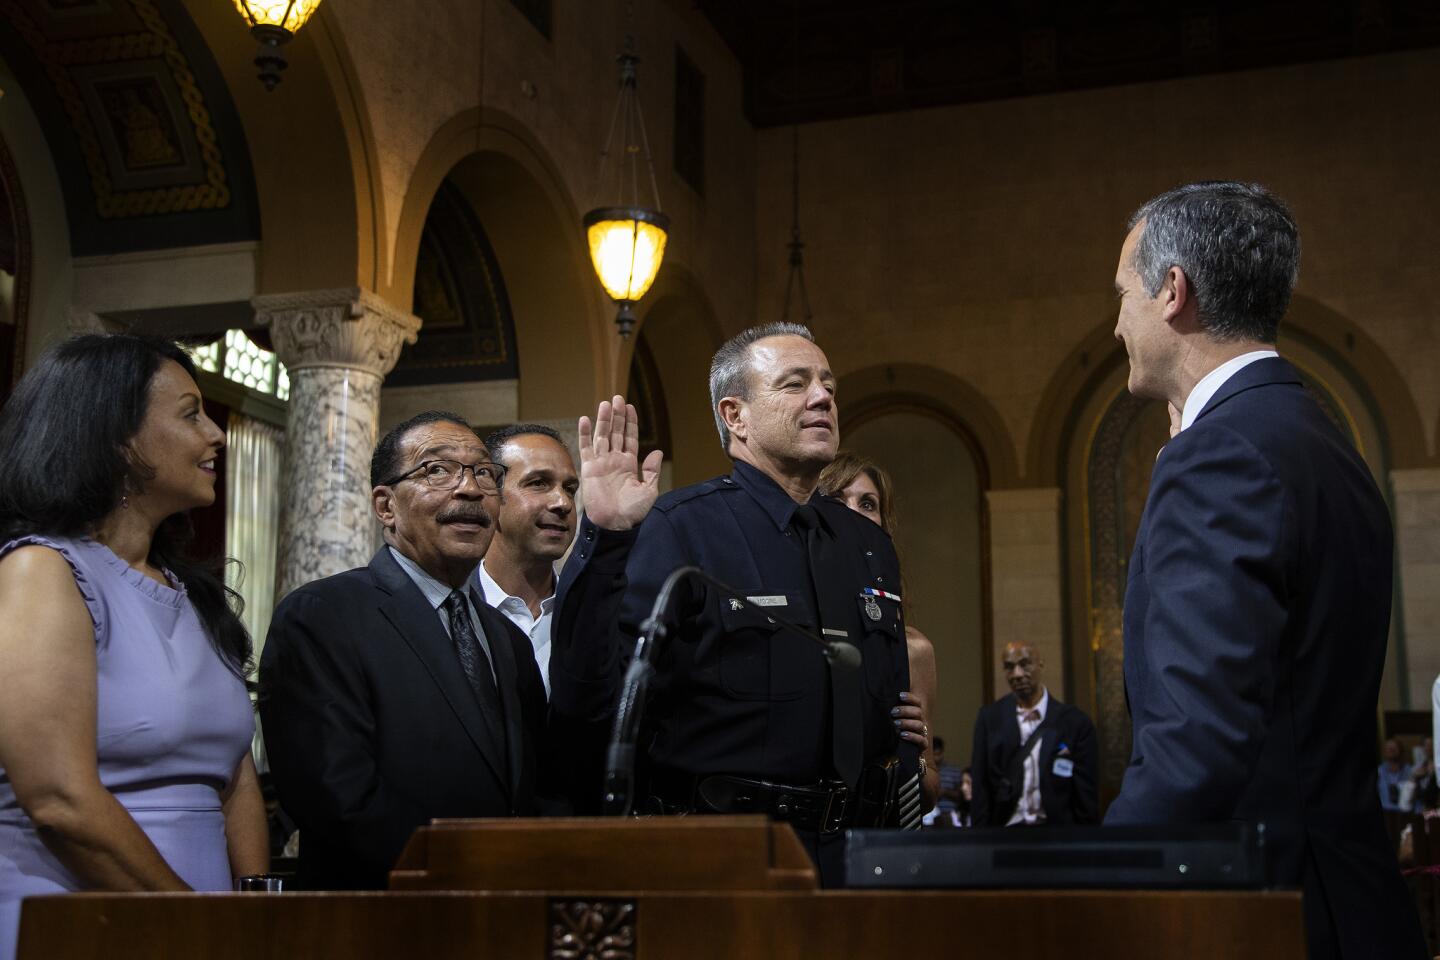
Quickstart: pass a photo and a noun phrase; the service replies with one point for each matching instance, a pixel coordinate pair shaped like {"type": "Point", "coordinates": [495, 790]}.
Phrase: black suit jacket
{"type": "Point", "coordinates": [1256, 618]}
{"type": "Point", "coordinates": [372, 729]}
{"type": "Point", "coordinates": [997, 773]}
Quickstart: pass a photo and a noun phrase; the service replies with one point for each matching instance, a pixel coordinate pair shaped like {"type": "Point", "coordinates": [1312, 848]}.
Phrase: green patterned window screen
{"type": "Point", "coordinates": [238, 359]}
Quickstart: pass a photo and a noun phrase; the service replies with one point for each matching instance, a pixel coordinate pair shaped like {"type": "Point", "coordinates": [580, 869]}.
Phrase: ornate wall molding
{"type": "Point", "coordinates": [1109, 558]}
{"type": "Point", "coordinates": [66, 63]}
{"type": "Point", "coordinates": [348, 327]}
{"type": "Point", "coordinates": [592, 930]}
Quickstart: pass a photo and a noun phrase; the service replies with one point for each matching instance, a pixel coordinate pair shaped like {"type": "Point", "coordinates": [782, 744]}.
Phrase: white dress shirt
{"type": "Point", "coordinates": [1210, 384]}
{"type": "Point", "coordinates": [1030, 809]}
{"type": "Point", "coordinates": [437, 593]}
{"type": "Point", "coordinates": [518, 612]}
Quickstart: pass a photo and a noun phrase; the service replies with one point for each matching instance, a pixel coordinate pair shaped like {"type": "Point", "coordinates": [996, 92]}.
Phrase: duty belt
{"type": "Point", "coordinates": [826, 807]}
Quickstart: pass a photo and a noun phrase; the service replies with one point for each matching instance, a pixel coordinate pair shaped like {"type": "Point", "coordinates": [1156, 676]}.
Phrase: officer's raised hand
{"type": "Point", "coordinates": [617, 488]}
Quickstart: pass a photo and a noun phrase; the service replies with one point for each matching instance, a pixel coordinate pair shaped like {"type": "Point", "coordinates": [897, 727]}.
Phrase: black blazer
{"type": "Point", "coordinates": [1256, 618]}
{"type": "Point", "coordinates": [997, 772]}
{"type": "Point", "coordinates": [372, 729]}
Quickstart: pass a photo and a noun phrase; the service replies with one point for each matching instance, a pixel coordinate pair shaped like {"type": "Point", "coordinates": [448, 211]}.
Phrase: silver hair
{"type": "Point", "coordinates": [1238, 247]}
{"type": "Point", "coordinates": [729, 373]}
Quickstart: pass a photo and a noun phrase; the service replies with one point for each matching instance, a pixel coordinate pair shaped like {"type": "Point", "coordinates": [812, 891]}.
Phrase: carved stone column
{"type": "Point", "coordinates": [338, 345]}
{"type": "Point", "coordinates": [1417, 571]}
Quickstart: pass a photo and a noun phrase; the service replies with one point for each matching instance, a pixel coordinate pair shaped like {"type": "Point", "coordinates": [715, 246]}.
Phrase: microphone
{"type": "Point", "coordinates": [620, 757]}
{"type": "Point", "coordinates": [844, 655]}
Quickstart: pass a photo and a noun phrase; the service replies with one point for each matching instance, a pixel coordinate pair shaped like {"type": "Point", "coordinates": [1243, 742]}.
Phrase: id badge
{"type": "Point", "coordinates": [1064, 767]}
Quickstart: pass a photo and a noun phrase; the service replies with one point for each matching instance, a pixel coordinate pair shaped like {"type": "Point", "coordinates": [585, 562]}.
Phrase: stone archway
{"type": "Point", "coordinates": [563, 343]}
{"type": "Point", "coordinates": [679, 332]}
{"type": "Point", "coordinates": [943, 468]}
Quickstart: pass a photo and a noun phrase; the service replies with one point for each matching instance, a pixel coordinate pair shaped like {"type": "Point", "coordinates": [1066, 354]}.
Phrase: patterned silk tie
{"type": "Point", "coordinates": [476, 666]}
{"type": "Point", "coordinates": [833, 606]}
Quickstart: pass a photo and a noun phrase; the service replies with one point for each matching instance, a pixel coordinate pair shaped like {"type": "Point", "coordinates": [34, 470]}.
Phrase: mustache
{"type": "Point", "coordinates": [465, 513]}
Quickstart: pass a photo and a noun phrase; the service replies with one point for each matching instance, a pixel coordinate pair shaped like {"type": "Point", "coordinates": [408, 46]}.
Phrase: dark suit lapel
{"type": "Point", "coordinates": [1010, 749]}
{"type": "Point", "coordinates": [1262, 372]}
{"type": "Point", "coordinates": [1049, 731]}
{"type": "Point", "coordinates": [1010, 724]}
{"type": "Point", "coordinates": [419, 626]}
{"type": "Point", "coordinates": [1051, 722]}
{"type": "Point", "coordinates": [502, 657]}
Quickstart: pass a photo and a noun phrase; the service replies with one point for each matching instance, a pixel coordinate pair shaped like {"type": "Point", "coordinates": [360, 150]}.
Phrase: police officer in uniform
{"type": "Point", "coordinates": [743, 717]}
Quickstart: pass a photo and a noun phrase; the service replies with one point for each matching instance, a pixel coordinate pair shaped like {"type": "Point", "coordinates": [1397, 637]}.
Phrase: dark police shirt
{"type": "Point", "coordinates": [732, 693]}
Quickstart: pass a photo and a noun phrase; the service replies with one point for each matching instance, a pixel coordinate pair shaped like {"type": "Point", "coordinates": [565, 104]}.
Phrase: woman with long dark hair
{"type": "Point", "coordinates": [125, 725]}
{"type": "Point", "coordinates": [865, 487]}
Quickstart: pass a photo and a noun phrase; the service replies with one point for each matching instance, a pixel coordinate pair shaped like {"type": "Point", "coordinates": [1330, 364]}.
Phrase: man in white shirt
{"type": "Point", "coordinates": [1035, 758]}
{"type": "Point", "coordinates": [534, 525]}
{"type": "Point", "coordinates": [1258, 598]}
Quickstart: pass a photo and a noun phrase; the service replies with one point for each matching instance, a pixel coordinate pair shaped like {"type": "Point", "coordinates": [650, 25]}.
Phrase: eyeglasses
{"type": "Point", "coordinates": [449, 474]}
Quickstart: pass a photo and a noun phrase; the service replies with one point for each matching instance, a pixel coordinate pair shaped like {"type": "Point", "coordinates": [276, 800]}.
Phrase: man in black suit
{"type": "Point", "coordinates": [392, 694]}
{"type": "Point", "coordinates": [1258, 602]}
{"type": "Point", "coordinates": [1034, 759]}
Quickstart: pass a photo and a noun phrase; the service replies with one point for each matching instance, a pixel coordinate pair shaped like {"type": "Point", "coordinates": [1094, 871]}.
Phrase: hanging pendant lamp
{"type": "Point", "coordinates": [626, 238]}
{"type": "Point", "coordinates": [274, 23]}
{"type": "Point", "coordinates": [796, 246]}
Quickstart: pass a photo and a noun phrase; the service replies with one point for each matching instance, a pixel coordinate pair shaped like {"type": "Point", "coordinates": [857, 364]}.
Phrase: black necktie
{"type": "Point", "coordinates": [476, 665]}
{"type": "Point", "coordinates": [833, 614]}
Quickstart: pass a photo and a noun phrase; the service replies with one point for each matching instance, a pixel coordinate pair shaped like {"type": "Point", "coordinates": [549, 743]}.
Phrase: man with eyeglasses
{"type": "Point", "coordinates": [393, 694]}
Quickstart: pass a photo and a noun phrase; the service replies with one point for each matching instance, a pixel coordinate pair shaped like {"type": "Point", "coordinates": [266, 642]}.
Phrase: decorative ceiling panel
{"type": "Point", "coordinates": [140, 124]}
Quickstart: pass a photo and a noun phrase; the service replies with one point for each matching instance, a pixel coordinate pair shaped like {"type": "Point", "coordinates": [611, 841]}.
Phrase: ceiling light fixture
{"type": "Point", "coordinates": [274, 23]}
{"type": "Point", "coordinates": [627, 239]}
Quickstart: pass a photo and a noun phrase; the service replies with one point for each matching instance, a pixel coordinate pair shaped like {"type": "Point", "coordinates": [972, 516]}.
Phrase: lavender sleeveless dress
{"type": "Point", "coordinates": [172, 723]}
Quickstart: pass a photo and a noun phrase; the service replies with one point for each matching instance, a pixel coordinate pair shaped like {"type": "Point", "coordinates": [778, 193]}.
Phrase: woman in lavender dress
{"type": "Point", "coordinates": [124, 722]}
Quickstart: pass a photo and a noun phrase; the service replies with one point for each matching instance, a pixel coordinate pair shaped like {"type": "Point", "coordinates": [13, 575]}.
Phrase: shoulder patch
{"type": "Point", "coordinates": [695, 491]}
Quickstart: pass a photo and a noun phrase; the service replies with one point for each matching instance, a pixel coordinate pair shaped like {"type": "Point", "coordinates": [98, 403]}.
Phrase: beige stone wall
{"type": "Point", "coordinates": [978, 243]}
{"type": "Point", "coordinates": [937, 492]}
{"type": "Point", "coordinates": [1026, 584]}
{"type": "Point", "coordinates": [1417, 548]}
{"type": "Point", "coordinates": [982, 239]}
{"type": "Point", "coordinates": [561, 93]}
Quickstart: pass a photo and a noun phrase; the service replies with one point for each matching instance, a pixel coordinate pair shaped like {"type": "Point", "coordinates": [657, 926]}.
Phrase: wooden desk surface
{"type": "Point", "coordinates": [1077, 925]}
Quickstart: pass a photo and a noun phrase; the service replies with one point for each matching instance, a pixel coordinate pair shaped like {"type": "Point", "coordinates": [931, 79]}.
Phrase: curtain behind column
{"type": "Point", "coordinates": [252, 517]}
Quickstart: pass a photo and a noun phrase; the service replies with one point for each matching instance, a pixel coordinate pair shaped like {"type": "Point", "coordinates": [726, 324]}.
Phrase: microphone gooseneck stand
{"type": "Point", "coordinates": [619, 799]}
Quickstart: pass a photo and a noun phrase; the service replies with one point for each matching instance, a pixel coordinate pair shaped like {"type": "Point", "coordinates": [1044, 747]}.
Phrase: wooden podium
{"type": "Point", "coordinates": [692, 887]}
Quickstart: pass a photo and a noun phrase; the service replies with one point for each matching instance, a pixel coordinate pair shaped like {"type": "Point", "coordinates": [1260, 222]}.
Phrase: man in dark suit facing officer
{"type": "Point", "coordinates": [742, 717]}
{"type": "Point", "coordinates": [393, 694]}
{"type": "Point", "coordinates": [1034, 761]}
{"type": "Point", "coordinates": [1258, 602]}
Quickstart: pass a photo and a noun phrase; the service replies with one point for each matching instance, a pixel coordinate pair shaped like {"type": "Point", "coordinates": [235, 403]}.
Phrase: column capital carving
{"type": "Point", "coordinates": [79, 322]}
{"type": "Point", "coordinates": [349, 327]}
